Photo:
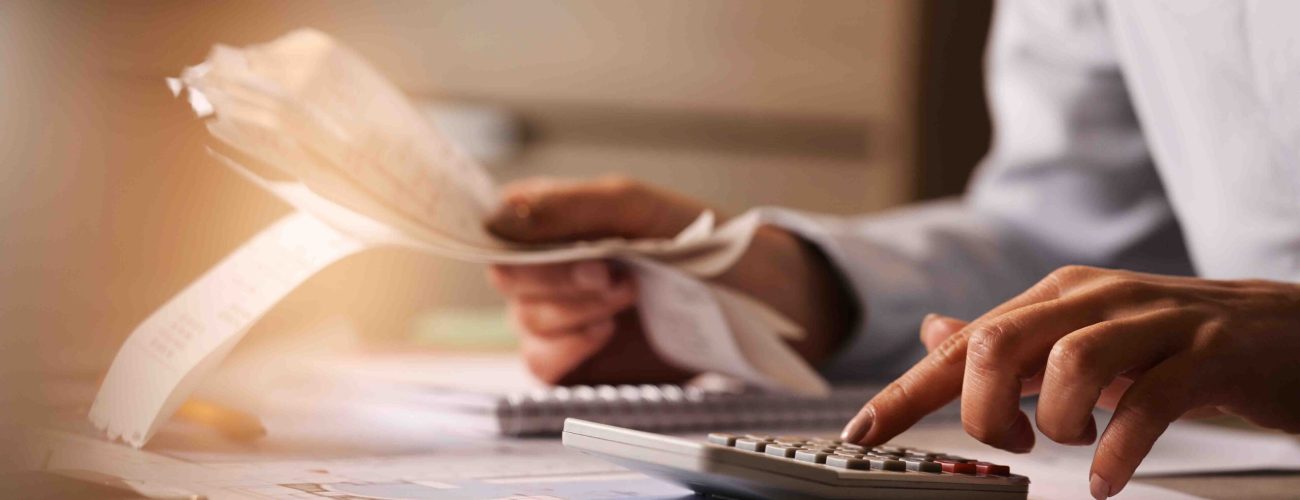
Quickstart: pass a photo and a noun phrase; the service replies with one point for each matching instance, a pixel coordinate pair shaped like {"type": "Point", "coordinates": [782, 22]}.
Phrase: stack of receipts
{"type": "Point", "coordinates": [311, 122]}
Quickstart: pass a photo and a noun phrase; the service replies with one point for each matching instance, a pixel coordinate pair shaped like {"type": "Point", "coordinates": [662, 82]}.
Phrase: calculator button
{"type": "Point", "coordinates": [844, 453]}
{"type": "Point", "coordinates": [882, 463]}
{"type": "Point", "coordinates": [922, 465]}
{"type": "Point", "coordinates": [760, 437]}
{"type": "Point", "coordinates": [722, 439]}
{"type": "Point", "coordinates": [956, 467]}
{"type": "Point", "coordinates": [843, 462]}
{"type": "Point", "coordinates": [751, 444]}
{"type": "Point", "coordinates": [811, 456]}
{"type": "Point", "coordinates": [990, 469]}
{"type": "Point", "coordinates": [780, 450]}
{"type": "Point", "coordinates": [854, 447]}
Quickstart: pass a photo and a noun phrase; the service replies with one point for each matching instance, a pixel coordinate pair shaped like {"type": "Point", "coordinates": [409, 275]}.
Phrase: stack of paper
{"type": "Point", "coordinates": [311, 122]}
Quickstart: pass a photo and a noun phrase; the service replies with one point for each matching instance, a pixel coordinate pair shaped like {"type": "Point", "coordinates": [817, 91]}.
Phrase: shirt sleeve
{"type": "Point", "coordinates": [1068, 180]}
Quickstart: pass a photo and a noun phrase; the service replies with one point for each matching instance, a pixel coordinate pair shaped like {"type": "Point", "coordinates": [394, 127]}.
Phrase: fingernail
{"type": "Point", "coordinates": [858, 427]}
{"type": "Point", "coordinates": [1098, 486]}
{"type": "Point", "coordinates": [592, 275]}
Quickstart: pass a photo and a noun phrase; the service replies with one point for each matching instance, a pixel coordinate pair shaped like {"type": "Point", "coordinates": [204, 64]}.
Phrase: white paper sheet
{"type": "Point", "coordinates": [312, 123]}
{"type": "Point", "coordinates": [167, 355]}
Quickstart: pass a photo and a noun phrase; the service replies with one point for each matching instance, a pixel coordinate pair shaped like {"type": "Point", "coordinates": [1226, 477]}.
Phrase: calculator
{"type": "Point", "coordinates": [796, 467]}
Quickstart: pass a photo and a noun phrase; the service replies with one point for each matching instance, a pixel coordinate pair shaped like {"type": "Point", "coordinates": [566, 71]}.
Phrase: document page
{"type": "Point", "coordinates": [312, 123]}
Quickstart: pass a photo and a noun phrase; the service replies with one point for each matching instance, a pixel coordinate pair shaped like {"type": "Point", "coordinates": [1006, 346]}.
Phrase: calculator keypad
{"type": "Point", "coordinates": [840, 455]}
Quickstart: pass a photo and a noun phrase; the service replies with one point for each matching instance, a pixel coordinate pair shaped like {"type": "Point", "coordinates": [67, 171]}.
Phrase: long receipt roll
{"type": "Point", "coordinates": [365, 171]}
{"type": "Point", "coordinates": [168, 354]}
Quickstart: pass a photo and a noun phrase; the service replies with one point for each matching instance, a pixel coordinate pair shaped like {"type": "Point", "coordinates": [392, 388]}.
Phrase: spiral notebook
{"type": "Point", "coordinates": [650, 407]}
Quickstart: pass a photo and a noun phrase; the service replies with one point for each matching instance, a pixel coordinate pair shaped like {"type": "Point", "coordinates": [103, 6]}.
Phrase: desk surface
{"type": "Point", "coordinates": [341, 437]}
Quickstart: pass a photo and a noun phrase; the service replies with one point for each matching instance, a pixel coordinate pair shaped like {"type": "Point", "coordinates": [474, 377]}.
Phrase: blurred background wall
{"type": "Point", "coordinates": [109, 205]}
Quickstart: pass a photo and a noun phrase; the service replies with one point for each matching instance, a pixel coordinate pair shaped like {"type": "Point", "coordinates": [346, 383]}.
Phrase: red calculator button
{"type": "Point", "coordinates": [957, 467]}
{"type": "Point", "coordinates": [989, 469]}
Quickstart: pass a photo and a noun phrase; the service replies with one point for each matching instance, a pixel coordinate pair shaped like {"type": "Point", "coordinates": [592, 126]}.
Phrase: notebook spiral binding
{"type": "Point", "coordinates": [673, 408]}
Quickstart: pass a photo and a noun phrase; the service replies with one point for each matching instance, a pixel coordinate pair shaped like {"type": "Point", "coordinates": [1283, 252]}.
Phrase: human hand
{"type": "Point", "coordinates": [578, 322]}
{"type": "Point", "coordinates": [1155, 348]}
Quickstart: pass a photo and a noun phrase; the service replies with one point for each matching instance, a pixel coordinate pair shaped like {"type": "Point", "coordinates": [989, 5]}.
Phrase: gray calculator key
{"type": "Point", "coordinates": [781, 450]}
{"type": "Point", "coordinates": [882, 463]}
{"type": "Point", "coordinates": [854, 447]}
{"type": "Point", "coordinates": [844, 453]}
{"type": "Point", "coordinates": [843, 462]}
{"type": "Point", "coordinates": [923, 466]}
{"type": "Point", "coordinates": [812, 456]}
{"type": "Point", "coordinates": [722, 438]}
{"type": "Point", "coordinates": [751, 444]}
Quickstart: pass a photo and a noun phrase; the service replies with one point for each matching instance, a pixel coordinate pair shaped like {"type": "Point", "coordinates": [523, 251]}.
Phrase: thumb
{"type": "Point", "coordinates": [547, 210]}
{"type": "Point", "coordinates": [937, 328]}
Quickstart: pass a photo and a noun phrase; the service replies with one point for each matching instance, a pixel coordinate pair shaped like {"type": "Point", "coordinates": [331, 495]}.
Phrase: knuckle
{"type": "Point", "coordinates": [1127, 289]}
{"type": "Point", "coordinates": [1165, 302]}
{"type": "Point", "coordinates": [1152, 410]}
{"type": "Point", "coordinates": [1158, 407]}
{"type": "Point", "coordinates": [1072, 273]}
{"type": "Point", "coordinates": [894, 399]}
{"type": "Point", "coordinates": [1073, 356]}
{"type": "Point", "coordinates": [949, 352]}
{"type": "Point", "coordinates": [1213, 339]}
{"type": "Point", "coordinates": [1110, 451]}
{"type": "Point", "coordinates": [988, 345]}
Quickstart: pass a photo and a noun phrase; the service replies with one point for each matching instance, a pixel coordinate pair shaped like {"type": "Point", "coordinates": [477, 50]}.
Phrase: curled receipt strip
{"type": "Point", "coordinates": [366, 171]}
{"type": "Point", "coordinates": [167, 356]}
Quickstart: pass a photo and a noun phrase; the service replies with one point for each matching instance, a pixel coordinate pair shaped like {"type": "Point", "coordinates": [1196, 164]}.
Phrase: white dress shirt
{"type": "Point", "coordinates": [1157, 135]}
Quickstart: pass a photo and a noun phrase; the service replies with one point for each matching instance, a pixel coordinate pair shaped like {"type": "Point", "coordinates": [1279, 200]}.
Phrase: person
{"type": "Point", "coordinates": [1132, 241]}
